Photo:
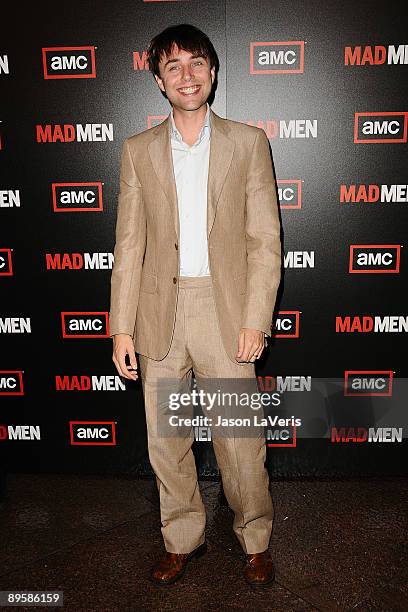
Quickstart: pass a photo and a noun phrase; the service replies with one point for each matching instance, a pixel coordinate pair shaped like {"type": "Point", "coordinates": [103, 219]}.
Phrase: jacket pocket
{"type": "Point", "coordinates": [148, 282]}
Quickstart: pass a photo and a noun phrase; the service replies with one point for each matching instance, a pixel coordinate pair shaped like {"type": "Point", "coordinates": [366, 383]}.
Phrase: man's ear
{"type": "Point", "coordinates": [212, 71]}
{"type": "Point", "coordinates": [159, 82]}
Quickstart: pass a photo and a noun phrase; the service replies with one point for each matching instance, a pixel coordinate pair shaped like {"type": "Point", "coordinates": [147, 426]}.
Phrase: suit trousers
{"type": "Point", "coordinates": [197, 346]}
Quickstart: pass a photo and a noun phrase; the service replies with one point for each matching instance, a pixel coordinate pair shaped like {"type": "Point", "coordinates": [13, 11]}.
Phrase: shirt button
{"type": "Point", "coordinates": [176, 246]}
{"type": "Point", "coordinates": [174, 280]}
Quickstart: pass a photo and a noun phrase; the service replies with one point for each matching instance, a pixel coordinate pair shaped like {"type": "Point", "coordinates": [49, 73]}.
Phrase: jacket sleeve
{"type": "Point", "coordinates": [262, 238]}
{"type": "Point", "coordinates": [129, 249]}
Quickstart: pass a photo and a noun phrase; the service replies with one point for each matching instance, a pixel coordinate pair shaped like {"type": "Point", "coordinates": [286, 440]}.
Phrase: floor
{"type": "Point", "coordinates": [337, 545]}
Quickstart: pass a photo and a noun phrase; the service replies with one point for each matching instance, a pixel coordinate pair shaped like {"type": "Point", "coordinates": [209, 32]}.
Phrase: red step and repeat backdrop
{"type": "Point", "coordinates": [327, 82]}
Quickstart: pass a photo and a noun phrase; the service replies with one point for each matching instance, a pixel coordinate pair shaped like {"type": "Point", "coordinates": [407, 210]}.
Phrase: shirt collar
{"type": "Point", "coordinates": [206, 127]}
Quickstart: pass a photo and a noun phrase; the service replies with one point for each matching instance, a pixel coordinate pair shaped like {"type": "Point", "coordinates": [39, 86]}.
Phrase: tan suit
{"type": "Point", "coordinates": [183, 323]}
{"type": "Point", "coordinates": [243, 232]}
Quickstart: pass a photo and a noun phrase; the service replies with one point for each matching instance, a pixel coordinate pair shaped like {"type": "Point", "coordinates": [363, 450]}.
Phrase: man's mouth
{"type": "Point", "coordinates": [189, 91]}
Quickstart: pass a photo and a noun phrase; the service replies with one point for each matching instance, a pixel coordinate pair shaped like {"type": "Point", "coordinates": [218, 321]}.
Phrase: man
{"type": "Point", "coordinates": [193, 288]}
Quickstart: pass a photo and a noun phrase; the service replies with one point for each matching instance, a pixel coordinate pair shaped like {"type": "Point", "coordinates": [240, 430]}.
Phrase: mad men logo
{"type": "Point", "coordinates": [92, 433]}
{"type": "Point", "coordinates": [89, 383]}
{"type": "Point", "coordinates": [299, 259]}
{"type": "Point", "coordinates": [11, 382]}
{"type": "Point", "coordinates": [79, 261]}
{"type": "Point", "coordinates": [4, 65]}
{"type": "Point", "coordinates": [77, 197]}
{"type": "Point", "coordinates": [393, 324]}
{"type": "Point", "coordinates": [282, 384]}
{"type": "Point", "coordinates": [290, 193]}
{"type": "Point", "coordinates": [66, 132]}
{"type": "Point", "coordinates": [10, 198]}
{"type": "Point", "coordinates": [15, 325]}
{"type": "Point", "coordinates": [291, 129]}
{"type": "Point", "coordinates": [153, 120]}
{"type": "Point", "coordinates": [287, 324]}
{"type": "Point", "coordinates": [69, 62]}
{"type": "Point", "coordinates": [140, 61]}
{"type": "Point", "coordinates": [345, 435]}
{"type": "Point", "coordinates": [277, 57]}
{"type": "Point", "coordinates": [6, 263]}
{"type": "Point", "coordinates": [373, 194]}
{"type": "Point", "coordinates": [20, 432]}
{"type": "Point", "coordinates": [85, 324]}
{"type": "Point", "coordinates": [377, 55]}
{"type": "Point", "coordinates": [368, 382]}
{"type": "Point", "coordinates": [202, 434]}
{"type": "Point", "coordinates": [380, 127]}
{"type": "Point", "coordinates": [374, 258]}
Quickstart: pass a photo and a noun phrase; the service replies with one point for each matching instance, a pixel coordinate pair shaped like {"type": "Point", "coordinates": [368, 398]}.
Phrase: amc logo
{"type": "Point", "coordinates": [85, 324]}
{"type": "Point", "coordinates": [368, 383]}
{"type": "Point", "coordinates": [6, 263]}
{"type": "Point", "coordinates": [92, 433]}
{"type": "Point", "coordinates": [69, 62]}
{"type": "Point", "coordinates": [282, 437]}
{"type": "Point", "coordinates": [11, 382]}
{"type": "Point", "coordinates": [77, 197]}
{"type": "Point", "coordinates": [374, 258]}
{"type": "Point", "coordinates": [380, 127]}
{"type": "Point", "coordinates": [277, 57]}
{"type": "Point", "coordinates": [287, 324]}
{"type": "Point", "coordinates": [290, 193]}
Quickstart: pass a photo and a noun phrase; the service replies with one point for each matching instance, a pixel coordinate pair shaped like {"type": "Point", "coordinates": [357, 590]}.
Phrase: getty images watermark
{"type": "Point", "coordinates": [230, 407]}
{"type": "Point", "coordinates": [318, 408]}
{"type": "Point", "coordinates": [211, 402]}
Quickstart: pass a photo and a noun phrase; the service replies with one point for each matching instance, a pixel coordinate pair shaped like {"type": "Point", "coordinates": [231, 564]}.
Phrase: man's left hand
{"type": "Point", "coordinates": [251, 343]}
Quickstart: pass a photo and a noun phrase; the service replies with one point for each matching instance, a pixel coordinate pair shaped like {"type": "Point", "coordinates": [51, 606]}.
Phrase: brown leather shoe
{"type": "Point", "coordinates": [173, 565]}
{"type": "Point", "coordinates": [259, 569]}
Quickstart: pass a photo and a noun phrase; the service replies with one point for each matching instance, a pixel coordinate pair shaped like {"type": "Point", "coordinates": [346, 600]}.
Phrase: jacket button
{"type": "Point", "coordinates": [174, 280]}
{"type": "Point", "coordinates": [176, 246]}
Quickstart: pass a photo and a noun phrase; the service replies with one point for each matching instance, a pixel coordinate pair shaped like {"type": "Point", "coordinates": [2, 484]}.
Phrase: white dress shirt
{"type": "Point", "coordinates": [190, 164]}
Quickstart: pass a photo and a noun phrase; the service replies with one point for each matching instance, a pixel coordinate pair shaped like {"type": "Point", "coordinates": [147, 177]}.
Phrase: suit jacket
{"type": "Point", "coordinates": [243, 232]}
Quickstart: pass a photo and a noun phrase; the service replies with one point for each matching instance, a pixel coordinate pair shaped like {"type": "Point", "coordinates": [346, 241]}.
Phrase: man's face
{"type": "Point", "coordinates": [186, 80]}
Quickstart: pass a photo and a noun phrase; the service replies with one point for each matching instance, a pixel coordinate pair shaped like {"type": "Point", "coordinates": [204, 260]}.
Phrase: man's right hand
{"type": "Point", "coordinates": [122, 346]}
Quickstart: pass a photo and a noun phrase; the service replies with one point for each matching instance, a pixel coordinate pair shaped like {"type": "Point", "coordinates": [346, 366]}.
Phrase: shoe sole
{"type": "Point", "coordinates": [196, 553]}
{"type": "Point", "coordinates": [260, 584]}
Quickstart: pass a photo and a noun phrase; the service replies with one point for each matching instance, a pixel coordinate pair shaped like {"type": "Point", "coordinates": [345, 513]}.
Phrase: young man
{"type": "Point", "coordinates": [193, 288]}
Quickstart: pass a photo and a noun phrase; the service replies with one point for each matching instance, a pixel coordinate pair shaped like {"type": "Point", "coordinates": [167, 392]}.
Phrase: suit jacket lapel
{"type": "Point", "coordinates": [221, 152]}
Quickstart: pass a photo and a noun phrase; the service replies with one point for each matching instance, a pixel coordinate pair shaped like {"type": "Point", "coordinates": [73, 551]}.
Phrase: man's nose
{"type": "Point", "coordinates": [186, 73]}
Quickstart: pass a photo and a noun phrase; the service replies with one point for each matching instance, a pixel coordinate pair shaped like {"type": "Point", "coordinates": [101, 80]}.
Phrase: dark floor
{"type": "Point", "coordinates": [337, 546]}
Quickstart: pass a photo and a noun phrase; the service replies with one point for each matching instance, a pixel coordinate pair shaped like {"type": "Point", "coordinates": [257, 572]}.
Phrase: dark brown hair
{"type": "Point", "coordinates": [186, 37]}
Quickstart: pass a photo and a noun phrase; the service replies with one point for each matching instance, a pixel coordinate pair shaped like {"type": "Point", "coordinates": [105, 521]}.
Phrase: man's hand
{"type": "Point", "coordinates": [122, 346]}
{"type": "Point", "coordinates": [251, 343]}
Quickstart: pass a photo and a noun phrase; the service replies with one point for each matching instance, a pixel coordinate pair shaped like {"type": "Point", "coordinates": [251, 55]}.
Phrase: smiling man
{"type": "Point", "coordinates": [193, 289]}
